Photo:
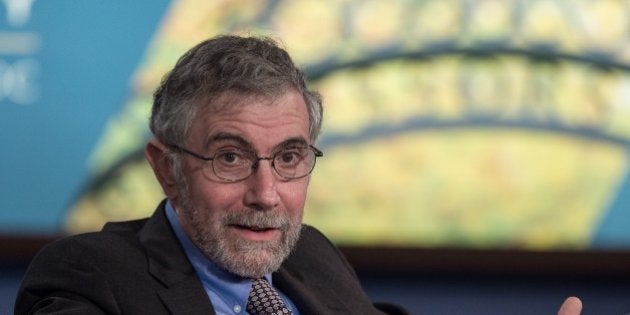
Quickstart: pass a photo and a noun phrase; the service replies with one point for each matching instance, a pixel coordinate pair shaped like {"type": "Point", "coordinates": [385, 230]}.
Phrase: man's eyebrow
{"type": "Point", "coordinates": [226, 136]}
{"type": "Point", "coordinates": [292, 141]}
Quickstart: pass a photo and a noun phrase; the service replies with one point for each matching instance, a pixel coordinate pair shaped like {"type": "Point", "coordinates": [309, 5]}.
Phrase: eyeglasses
{"type": "Point", "coordinates": [234, 165]}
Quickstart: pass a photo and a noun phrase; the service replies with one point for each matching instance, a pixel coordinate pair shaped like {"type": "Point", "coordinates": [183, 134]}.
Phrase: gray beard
{"type": "Point", "coordinates": [243, 257]}
{"type": "Point", "coordinates": [246, 258]}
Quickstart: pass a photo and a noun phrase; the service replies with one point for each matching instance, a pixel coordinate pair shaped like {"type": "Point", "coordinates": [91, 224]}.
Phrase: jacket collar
{"type": "Point", "coordinates": [182, 292]}
{"type": "Point", "coordinates": [307, 301]}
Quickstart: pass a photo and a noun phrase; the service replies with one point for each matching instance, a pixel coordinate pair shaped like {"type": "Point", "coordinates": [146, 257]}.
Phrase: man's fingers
{"type": "Point", "coordinates": [571, 306]}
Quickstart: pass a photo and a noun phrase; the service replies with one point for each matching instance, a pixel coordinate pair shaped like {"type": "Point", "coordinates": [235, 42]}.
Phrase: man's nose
{"type": "Point", "coordinates": [262, 192]}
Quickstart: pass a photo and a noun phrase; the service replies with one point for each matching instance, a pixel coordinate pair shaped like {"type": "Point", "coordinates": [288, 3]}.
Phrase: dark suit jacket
{"type": "Point", "coordinates": [139, 267]}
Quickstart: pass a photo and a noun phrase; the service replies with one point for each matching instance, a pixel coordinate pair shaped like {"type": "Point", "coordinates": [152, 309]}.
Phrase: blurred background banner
{"type": "Point", "coordinates": [448, 124]}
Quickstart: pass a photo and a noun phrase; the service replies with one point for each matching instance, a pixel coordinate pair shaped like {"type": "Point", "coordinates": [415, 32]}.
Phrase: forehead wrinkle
{"type": "Point", "coordinates": [234, 101]}
{"type": "Point", "coordinates": [233, 122]}
{"type": "Point", "coordinates": [233, 114]}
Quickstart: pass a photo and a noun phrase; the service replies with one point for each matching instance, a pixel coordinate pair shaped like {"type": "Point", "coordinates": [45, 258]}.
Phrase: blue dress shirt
{"type": "Point", "coordinates": [228, 292]}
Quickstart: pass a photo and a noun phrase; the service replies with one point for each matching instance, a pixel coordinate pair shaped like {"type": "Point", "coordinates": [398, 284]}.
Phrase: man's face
{"type": "Point", "coordinates": [250, 226]}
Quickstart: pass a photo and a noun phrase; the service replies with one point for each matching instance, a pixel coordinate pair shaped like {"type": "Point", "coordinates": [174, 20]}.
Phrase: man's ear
{"type": "Point", "coordinates": [157, 155]}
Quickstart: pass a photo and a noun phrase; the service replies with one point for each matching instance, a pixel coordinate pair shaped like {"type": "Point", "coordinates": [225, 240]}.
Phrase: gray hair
{"type": "Point", "coordinates": [246, 66]}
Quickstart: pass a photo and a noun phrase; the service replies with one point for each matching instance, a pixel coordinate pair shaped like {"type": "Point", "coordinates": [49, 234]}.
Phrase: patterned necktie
{"type": "Point", "coordinates": [264, 300]}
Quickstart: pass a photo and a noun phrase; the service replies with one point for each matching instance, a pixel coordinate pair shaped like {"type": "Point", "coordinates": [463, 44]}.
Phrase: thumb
{"type": "Point", "coordinates": [571, 306]}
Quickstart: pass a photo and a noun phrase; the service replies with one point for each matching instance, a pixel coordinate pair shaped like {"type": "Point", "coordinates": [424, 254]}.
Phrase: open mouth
{"type": "Point", "coordinates": [253, 227]}
{"type": "Point", "coordinates": [257, 233]}
{"type": "Point", "coordinates": [259, 228]}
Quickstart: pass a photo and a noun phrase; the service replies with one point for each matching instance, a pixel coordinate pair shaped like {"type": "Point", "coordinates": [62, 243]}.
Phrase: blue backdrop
{"type": "Point", "coordinates": [65, 67]}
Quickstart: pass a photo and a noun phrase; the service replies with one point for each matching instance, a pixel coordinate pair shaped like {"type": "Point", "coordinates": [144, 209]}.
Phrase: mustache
{"type": "Point", "coordinates": [257, 219]}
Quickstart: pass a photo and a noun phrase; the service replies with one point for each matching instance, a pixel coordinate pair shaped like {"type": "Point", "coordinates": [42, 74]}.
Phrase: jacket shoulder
{"type": "Point", "coordinates": [314, 246]}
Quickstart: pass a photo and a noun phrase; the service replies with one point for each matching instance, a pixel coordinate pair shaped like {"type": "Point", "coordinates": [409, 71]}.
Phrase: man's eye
{"type": "Point", "coordinates": [230, 158]}
{"type": "Point", "coordinates": [289, 157]}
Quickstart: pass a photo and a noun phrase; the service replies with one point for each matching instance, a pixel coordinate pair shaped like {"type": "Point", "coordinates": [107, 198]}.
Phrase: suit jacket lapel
{"type": "Point", "coordinates": [304, 286]}
{"type": "Point", "coordinates": [318, 279]}
{"type": "Point", "coordinates": [306, 299]}
{"type": "Point", "coordinates": [182, 292]}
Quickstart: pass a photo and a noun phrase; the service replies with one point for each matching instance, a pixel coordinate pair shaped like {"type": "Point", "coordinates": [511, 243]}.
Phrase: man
{"type": "Point", "coordinates": [235, 127]}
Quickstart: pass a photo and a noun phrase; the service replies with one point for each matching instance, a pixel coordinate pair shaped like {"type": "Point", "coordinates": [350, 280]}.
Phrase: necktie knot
{"type": "Point", "coordinates": [264, 300]}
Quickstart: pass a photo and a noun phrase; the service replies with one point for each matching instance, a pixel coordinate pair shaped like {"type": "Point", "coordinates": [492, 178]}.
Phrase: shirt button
{"type": "Point", "coordinates": [237, 309]}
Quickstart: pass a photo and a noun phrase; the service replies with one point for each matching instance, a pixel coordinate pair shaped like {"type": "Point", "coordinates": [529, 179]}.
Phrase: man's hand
{"type": "Point", "coordinates": [571, 306]}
